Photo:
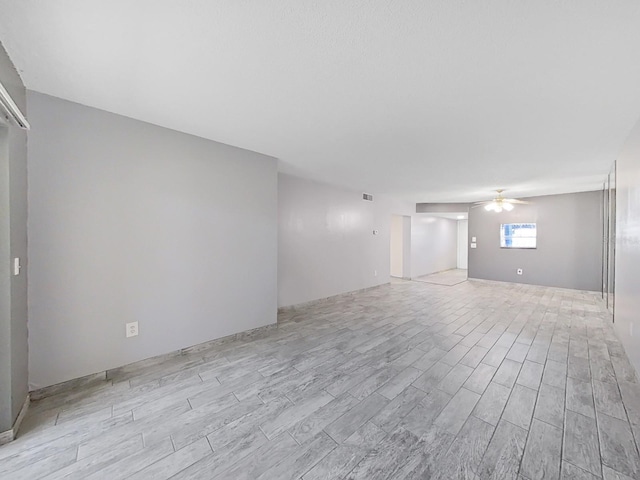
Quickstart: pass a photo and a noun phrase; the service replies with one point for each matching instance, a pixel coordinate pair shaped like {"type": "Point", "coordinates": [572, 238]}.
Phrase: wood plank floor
{"type": "Point", "coordinates": [447, 277]}
{"type": "Point", "coordinates": [405, 381]}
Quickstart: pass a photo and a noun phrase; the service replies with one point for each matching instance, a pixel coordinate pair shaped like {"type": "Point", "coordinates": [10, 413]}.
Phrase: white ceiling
{"type": "Point", "coordinates": [429, 100]}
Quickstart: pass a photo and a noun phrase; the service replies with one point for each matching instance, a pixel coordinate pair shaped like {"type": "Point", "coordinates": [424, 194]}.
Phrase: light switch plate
{"type": "Point", "coordinates": [473, 245]}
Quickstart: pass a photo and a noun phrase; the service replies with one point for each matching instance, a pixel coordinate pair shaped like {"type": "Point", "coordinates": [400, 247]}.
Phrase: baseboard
{"type": "Point", "coordinates": [506, 282]}
{"type": "Point", "coordinates": [106, 375]}
{"type": "Point", "coordinates": [311, 303]}
{"type": "Point", "coordinates": [10, 435]}
{"type": "Point", "coordinates": [51, 390]}
{"type": "Point", "coordinates": [246, 335]}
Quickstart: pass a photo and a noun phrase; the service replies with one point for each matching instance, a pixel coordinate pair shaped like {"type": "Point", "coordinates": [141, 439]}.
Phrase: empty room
{"type": "Point", "coordinates": [297, 239]}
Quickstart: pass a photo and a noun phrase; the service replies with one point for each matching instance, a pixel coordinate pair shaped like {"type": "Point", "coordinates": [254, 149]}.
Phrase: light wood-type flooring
{"type": "Point", "coordinates": [409, 380]}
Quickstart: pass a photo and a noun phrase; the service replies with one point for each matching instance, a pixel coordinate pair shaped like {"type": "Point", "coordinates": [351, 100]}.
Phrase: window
{"type": "Point", "coordinates": [518, 235]}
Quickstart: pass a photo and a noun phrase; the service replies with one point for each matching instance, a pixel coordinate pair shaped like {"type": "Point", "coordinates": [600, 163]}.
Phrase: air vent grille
{"type": "Point", "coordinates": [368, 197]}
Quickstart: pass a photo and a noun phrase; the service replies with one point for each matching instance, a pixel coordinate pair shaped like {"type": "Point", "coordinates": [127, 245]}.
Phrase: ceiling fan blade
{"type": "Point", "coordinates": [514, 200]}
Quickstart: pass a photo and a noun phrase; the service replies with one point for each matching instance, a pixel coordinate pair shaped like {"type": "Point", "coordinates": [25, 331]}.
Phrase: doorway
{"type": "Point", "coordinates": [439, 248]}
{"type": "Point", "coordinates": [400, 244]}
{"type": "Point", "coordinates": [463, 252]}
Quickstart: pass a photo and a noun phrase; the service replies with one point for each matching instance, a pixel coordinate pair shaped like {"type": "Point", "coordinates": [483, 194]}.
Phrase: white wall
{"type": "Point", "coordinates": [627, 271]}
{"type": "Point", "coordinates": [463, 244]}
{"type": "Point", "coordinates": [401, 246]}
{"type": "Point", "coordinates": [13, 244]}
{"type": "Point", "coordinates": [433, 244]}
{"type": "Point", "coordinates": [396, 244]}
{"type": "Point", "coordinates": [132, 222]}
{"type": "Point", "coordinates": [326, 244]}
{"type": "Point", "coordinates": [406, 246]}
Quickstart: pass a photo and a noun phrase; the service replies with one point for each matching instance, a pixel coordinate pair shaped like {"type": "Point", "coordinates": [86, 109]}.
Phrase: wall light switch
{"type": "Point", "coordinates": [473, 245]}
{"type": "Point", "coordinates": [16, 266]}
{"type": "Point", "coordinates": [473, 239]}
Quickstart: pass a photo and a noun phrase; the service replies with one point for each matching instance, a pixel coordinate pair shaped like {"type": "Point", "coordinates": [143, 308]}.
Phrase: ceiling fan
{"type": "Point", "coordinates": [499, 203]}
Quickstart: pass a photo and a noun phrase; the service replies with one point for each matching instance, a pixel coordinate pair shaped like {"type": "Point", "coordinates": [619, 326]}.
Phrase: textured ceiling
{"type": "Point", "coordinates": [430, 100]}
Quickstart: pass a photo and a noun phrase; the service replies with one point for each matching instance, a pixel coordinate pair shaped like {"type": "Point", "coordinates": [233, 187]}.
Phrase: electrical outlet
{"type": "Point", "coordinates": [132, 329]}
{"type": "Point", "coordinates": [519, 271]}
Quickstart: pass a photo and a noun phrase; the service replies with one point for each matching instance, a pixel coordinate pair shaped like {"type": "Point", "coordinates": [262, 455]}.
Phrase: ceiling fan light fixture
{"type": "Point", "coordinates": [494, 207]}
{"type": "Point", "coordinates": [499, 203]}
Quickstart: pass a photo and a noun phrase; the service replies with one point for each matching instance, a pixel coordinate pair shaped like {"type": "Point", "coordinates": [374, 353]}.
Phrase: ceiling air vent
{"type": "Point", "coordinates": [368, 197]}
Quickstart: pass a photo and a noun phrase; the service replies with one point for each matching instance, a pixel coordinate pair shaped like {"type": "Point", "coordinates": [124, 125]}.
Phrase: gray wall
{"type": "Point", "coordinates": [627, 281]}
{"type": "Point", "coordinates": [132, 222]}
{"type": "Point", "coordinates": [13, 243]}
{"type": "Point", "coordinates": [434, 246]}
{"type": "Point", "coordinates": [569, 252]}
{"type": "Point", "coordinates": [326, 244]}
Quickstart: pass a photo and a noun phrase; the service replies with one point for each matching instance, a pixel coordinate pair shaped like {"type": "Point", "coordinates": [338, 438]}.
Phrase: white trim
{"type": "Point", "coordinates": [11, 111]}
